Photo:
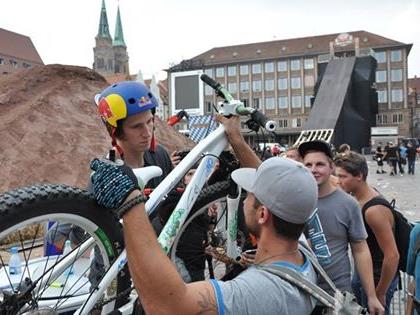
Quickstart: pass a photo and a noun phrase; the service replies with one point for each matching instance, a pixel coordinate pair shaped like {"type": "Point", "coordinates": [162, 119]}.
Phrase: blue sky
{"type": "Point", "coordinates": [161, 32]}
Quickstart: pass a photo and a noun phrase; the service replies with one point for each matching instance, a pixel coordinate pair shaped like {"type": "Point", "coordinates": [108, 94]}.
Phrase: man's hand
{"type": "Point", "coordinates": [112, 183]}
{"type": "Point", "coordinates": [175, 158]}
{"type": "Point", "coordinates": [232, 126]}
{"type": "Point", "coordinates": [375, 306]}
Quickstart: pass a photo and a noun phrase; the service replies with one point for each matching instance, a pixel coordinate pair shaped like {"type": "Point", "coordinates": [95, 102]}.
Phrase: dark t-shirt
{"type": "Point", "coordinates": [411, 153]}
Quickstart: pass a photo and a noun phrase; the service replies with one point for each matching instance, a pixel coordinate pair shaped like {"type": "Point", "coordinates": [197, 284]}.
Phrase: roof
{"type": "Point", "coordinates": [119, 35]}
{"type": "Point", "coordinates": [103, 30]}
{"type": "Point", "coordinates": [414, 85]}
{"type": "Point", "coordinates": [313, 45]}
{"type": "Point", "coordinates": [18, 46]}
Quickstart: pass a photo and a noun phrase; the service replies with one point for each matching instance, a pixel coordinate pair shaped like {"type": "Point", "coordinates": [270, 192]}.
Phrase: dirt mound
{"type": "Point", "coordinates": [50, 129]}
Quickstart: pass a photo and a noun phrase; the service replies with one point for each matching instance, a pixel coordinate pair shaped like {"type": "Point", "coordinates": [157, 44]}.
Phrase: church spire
{"type": "Point", "coordinates": [119, 36]}
{"type": "Point", "coordinates": [103, 30]}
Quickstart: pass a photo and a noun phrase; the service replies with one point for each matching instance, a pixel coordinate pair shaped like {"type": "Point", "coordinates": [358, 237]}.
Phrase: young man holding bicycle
{"type": "Point", "coordinates": [281, 197]}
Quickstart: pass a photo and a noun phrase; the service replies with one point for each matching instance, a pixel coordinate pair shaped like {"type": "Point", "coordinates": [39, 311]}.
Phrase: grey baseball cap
{"type": "Point", "coordinates": [287, 188]}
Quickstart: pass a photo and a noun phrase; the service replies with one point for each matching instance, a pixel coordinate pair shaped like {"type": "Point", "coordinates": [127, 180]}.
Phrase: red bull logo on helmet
{"type": "Point", "coordinates": [104, 109]}
{"type": "Point", "coordinates": [144, 100]}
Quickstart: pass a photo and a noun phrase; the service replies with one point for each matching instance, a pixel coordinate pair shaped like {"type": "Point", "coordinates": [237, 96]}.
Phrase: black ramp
{"type": "Point", "coordinates": [331, 94]}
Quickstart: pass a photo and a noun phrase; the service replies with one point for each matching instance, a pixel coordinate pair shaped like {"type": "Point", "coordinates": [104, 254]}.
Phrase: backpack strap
{"type": "Point", "coordinates": [296, 279]}
{"type": "Point", "coordinates": [379, 201]}
{"type": "Point", "coordinates": [314, 261]}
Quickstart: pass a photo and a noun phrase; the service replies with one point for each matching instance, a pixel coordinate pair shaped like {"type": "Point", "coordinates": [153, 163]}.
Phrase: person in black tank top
{"type": "Point", "coordinates": [378, 217]}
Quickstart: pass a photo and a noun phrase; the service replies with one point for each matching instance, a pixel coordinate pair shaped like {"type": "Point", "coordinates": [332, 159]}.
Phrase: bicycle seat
{"type": "Point", "coordinates": [145, 174]}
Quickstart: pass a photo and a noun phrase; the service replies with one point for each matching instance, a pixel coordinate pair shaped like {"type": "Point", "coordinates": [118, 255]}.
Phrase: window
{"type": "Point", "coordinates": [283, 123]}
{"type": "Point", "coordinates": [244, 86]}
{"type": "Point", "coordinates": [380, 76]}
{"type": "Point", "coordinates": [269, 85]}
{"type": "Point", "coordinates": [283, 102]}
{"type": "Point", "coordinates": [384, 119]}
{"type": "Point", "coordinates": [209, 106]}
{"type": "Point", "coordinates": [220, 72]}
{"type": "Point", "coordinates": [232, 87]}
{"type": "Point", "coordinates": [244, 70]}
{"type": "Point", "coordinates": [396, 55]}
{"type": "Point", "coordinates": [296, 122]}
{"type": "Point", "coordinates": [382, 96]}
{"type": "Point", "coordinates": [256, 68]}
{"type": "Point", "coordinates": [309, 63]}
{"type": "Point", "coordinates": [379, 119]}
{"type": "Point", "coordinates": [394, 118]}
{"type": "Point", "coordinates": [1, 61]}
{"type": "Point", "coordinates": [209, 72]}
{"type": "Point", "coordinates": [269, 67]}
{"type": "Point", "coordinates": [269, 103]}
{"type": "Point", "coordinates": [295, 64]}
{"type": "Point", "coordinates": [397, 118]}
{"type": "Point", "coordinates": [296, 101]}
{"type": "Point", "coordinates": [400, 118]}
{"type": "Point", "coordinates": [208, 90]}
{"type": "Point", "coordinates": [100, 64]}
{"type": "Point", "coordinates": [309, 80]}
{"type": "Point", "coordinates": [13, 63]}
{"type": "Point", "coordinates": [308, 100]}
{"type": "Point", "coordinates": [282, 66]}
{"type": "Point", "coordinates": [380, 56]}
{"type": "Point", "coordinates": [282, 84]}
{"type": "Point", "coordinates": [396, 75]}
{"type": "Point", "coordinates": [232, 71]}
{"type": "Point", "coordinates": [256, 86]}
{"type": "Point", "coordinates": [295, 82]}
{"type": "Point", "coordinates": [26, 65]}
{"type": "Point", "coordinates": [396, 95]}
{"type": "Point", "coordinates": [256, 102]}
{"type": "Point", "coordinates": [245, 102]}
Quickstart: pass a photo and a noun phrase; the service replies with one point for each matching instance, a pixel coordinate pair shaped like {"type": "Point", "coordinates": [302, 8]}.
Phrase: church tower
{"type": "Point", "coordinates": [110, 56]}
{"type": "Point", "coordinates": [103, 51]}
{"type": "Point", "coordinates": [120, 48]}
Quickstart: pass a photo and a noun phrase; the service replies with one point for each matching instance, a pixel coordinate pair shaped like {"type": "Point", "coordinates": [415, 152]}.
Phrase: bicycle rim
{"type": "Point", "coordinates": [199, 250]}
{"type": "Point", "coordinates": [25, 214]}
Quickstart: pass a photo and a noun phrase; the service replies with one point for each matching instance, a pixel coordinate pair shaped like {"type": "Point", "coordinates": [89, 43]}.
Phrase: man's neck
{"type": "Point", "coordinates": [364, 193]}
{"type": "Point", "coordinates": [326, 188]}
{"type": "Point", "coordinates": [134, 159]}
{"type": "Point", "coordinates": [271, 248]}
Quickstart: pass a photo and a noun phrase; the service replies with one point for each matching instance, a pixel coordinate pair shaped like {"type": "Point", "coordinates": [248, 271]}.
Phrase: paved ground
{"type": "Point", "coordinates": [405, 189]}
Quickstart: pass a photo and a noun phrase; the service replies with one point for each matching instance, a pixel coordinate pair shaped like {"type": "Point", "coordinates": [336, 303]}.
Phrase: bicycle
{"type": "Point", "coordinates": [49, 287]}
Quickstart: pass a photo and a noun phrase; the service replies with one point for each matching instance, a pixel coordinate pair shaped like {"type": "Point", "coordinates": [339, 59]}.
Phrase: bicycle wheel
{"type": "Point", "coordinates": [199, 250]}
{"type": "Point", "coordinates": [24, 215]}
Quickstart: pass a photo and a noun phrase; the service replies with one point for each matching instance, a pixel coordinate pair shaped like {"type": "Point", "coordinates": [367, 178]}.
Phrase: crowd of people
{"type": "Point", "coordinates": [304, 190]}
{"type": "Point", "coordinates": [402, 154]}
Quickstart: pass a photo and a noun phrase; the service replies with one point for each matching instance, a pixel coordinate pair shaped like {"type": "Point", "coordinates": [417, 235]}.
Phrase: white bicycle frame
{"type": "Point", "coordinates": [208, 150]}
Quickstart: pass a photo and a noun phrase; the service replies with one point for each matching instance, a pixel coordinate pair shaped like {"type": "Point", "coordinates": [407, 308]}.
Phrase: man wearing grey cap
{"type": "Point", "coordinates": [336, 224]}
{"type": "Point", "coordinates": [282, 195]}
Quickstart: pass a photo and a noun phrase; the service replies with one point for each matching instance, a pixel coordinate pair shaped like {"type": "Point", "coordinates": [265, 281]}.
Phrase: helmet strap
{"type": "Point", "coordinates": [153, 143]}
{"type": "Point", "coordinates": [115, 144]}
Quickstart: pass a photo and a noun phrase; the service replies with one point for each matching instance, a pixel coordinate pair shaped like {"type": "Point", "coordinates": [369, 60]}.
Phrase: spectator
{"type": "Point", "coordinates": [343, 149]}
{"type": "Point", "coordinates": [413, 258]}
{"type": "Point", "coordinates": [392, 156]}
{"type": "Point", "coordinates": [379, 157]}
{"type": "Point", "coordinates": [352, 172]}
{"type": "Point", "coordinates": [293, 153]}
{"type": "Point", "coordinates": [411, 157]}
{"type": "Point", "coordinates": [403, 157]}
{"type": "Point", "coordinates": [336, 224]}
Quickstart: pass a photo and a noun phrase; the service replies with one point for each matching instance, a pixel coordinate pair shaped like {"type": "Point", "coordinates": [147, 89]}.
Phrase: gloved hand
{"type": "Point", "coordinates": [112, 183]}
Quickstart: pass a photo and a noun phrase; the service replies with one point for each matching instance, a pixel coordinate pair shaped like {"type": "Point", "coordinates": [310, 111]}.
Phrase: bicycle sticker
{"type": "Point", "coordinates": [233, 231]}
{"type": "Point", "coordinates": [209, 166]}
{"type": "Point", "coordinates": [105, 241]}
{"type": "Point", "coordinates": [122, 263]}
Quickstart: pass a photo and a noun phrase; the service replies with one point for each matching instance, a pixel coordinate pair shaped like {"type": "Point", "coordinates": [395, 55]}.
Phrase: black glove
{"type": "Point", "coordinates": [112, 183]}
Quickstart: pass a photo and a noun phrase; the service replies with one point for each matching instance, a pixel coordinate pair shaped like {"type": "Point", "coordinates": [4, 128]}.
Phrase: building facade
{"type": "Point", "coordinates": [279, 77]}
{"type": "Point", "coordinates": [414, 107]}
{"type": "Point", "coordinates": [110, 55]}
{"type": "Point", "coordinates": [17, 52]}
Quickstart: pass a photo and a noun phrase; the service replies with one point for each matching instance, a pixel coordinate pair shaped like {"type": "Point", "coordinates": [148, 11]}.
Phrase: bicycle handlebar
{"type": "Point", "coordinates": [240, 109]}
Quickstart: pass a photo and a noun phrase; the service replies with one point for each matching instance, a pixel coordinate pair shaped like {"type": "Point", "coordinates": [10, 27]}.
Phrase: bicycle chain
{"type": "Point", "coordinates": [99, 305]}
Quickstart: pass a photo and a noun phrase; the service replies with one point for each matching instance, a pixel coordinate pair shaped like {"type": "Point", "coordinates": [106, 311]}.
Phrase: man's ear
{"type": "Point", "coordinates": [263, 215]}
